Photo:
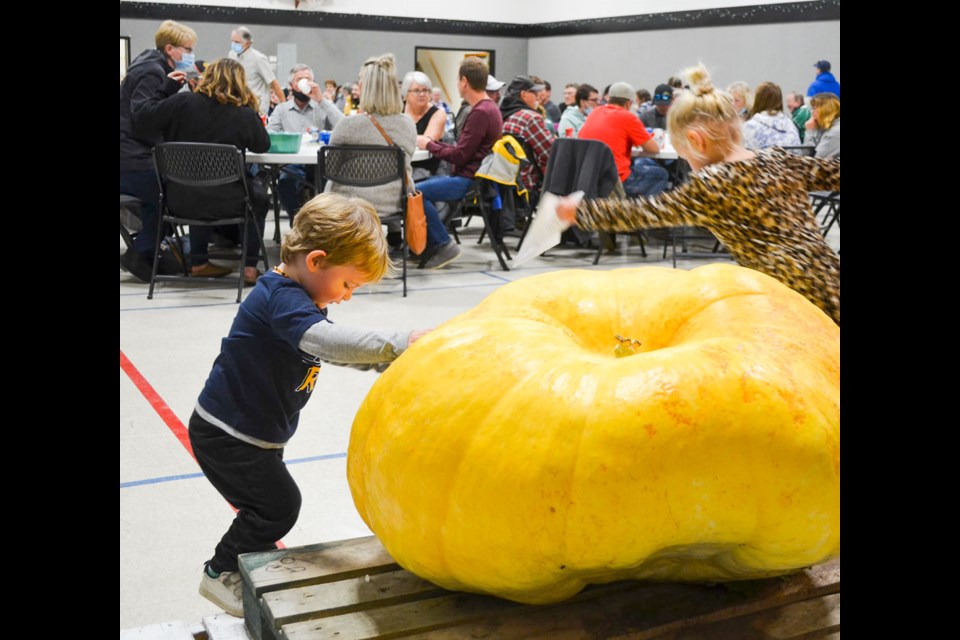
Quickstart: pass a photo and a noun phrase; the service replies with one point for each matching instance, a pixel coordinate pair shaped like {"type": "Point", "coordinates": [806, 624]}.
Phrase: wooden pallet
{"type": "Point", "coordinates": [353, 589]}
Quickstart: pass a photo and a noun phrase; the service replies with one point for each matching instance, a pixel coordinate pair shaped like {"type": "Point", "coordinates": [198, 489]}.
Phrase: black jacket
{"type": "Point", "coordinates": [146, 83]}
{"type": "Point", "coordinates": [191, 117]}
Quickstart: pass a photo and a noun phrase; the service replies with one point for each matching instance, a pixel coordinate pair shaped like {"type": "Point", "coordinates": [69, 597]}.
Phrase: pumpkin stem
{"type": "Point", "coordinates": [625, 347]}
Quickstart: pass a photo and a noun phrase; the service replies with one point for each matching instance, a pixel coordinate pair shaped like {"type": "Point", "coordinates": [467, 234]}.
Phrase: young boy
{"type": "Point", "coordinates": [266, 371]}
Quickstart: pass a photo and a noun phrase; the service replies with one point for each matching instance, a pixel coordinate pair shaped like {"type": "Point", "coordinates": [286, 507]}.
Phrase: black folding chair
{"type": "Point", "coordinates": [368, 166]}
{"type": "Point", "coordinates": [202, 185]}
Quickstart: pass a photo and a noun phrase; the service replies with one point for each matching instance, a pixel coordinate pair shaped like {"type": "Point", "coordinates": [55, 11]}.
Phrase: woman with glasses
{"type": "Point", "coordinates": [573, 118]}
{"type": "Point", "coordinates": [429, 119]}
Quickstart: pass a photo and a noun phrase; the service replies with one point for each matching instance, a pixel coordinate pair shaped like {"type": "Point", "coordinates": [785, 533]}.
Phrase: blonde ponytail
{"type": "Point", "coordinates": [705, 110]}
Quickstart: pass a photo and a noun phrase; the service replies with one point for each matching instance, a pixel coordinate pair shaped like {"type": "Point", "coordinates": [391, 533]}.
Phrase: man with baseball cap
{"type": "Point", "coordinates": [619, 128]}
{"type": "Point", "coordinates": [656, 118]}
{"type": "Point", "coordinates": [825, 82]}
{"type": "Point", "coordinates": [523, 121]}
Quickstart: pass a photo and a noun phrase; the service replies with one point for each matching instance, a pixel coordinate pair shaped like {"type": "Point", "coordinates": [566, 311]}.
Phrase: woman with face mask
{"type": "Point", "coordinates": [573, 118]}
{"type": "Point", "coordinates": [153, 76]}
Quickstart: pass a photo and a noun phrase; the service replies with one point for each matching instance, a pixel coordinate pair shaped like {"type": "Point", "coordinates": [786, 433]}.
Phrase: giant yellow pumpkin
{"type": "Point", "coordinates": [515, 450]}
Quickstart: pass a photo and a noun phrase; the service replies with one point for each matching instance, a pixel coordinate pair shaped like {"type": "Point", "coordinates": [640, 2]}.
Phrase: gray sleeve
{"type": "Point", "coordinates": [331, 113]}
{"type": "Point", "coordinates": [355, 348]}
{"type": "Point", "coordinates": [276, 121]}
{"type": "Point", "coordinates": [263, 68]}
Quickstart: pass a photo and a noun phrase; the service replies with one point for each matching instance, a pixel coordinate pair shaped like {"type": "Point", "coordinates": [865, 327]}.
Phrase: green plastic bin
{"type": "Point", "coordinates": [284, 142]}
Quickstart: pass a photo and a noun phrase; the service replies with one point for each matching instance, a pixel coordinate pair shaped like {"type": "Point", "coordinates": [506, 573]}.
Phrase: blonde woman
{"type": "Point", "coordinates": [223, 111]}
{"type": "Point", "coordinates": [742, 98]}
{"type": "Point", "coordinates": [429, 119]}
{"type": "Point", "coordinates": [755, 203]}
{"type": "Point", "coordinates": [823, 127]}
{"type": "Point", "coordinates": [380, 102]}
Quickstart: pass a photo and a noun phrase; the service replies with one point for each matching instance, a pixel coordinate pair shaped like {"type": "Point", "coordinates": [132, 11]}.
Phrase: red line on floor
{"type": "Point", "coordinates": [164, 411]}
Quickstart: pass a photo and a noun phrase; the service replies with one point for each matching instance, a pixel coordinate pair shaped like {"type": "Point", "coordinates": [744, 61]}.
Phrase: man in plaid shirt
{"type": "Point", "coordinates": [522, 120]}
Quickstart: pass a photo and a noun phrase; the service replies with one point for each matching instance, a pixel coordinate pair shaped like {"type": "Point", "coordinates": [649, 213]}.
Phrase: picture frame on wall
{"type": "Point", "coordinates": [124, 56]}
{"type": "Point", "coordinates": [442, 65]}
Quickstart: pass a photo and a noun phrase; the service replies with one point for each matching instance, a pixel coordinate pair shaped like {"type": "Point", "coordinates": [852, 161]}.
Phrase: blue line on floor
{"type": "Point", "coordinates": [191, 476]}
{"type": "Point", "coordinates": [495, 276]}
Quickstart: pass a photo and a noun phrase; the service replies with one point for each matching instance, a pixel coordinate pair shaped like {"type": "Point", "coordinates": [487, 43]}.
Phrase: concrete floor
{"type": "Point", "coordinates": [170, 516]}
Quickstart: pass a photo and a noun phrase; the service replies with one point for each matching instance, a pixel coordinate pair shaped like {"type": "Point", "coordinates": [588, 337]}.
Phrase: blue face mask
{"type": "Point", "coordinates": [186, 62]}
{"type": "Point", "coordinates": [236, 47]}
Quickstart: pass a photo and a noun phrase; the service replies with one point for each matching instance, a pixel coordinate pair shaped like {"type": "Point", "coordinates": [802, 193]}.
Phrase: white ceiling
{"type": "Point", "coordinates": [509, 11]}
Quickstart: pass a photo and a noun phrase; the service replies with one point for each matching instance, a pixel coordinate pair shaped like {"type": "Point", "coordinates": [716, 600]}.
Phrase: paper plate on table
{"type": "Point", "coordinates": [545, 230]}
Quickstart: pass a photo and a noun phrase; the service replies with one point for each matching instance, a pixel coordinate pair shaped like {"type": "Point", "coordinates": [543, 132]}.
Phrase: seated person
{"type": "Point", "coordinates": [522, 120]}
{"type": "Point", "coordinates": [799, 112]}
{"type": "Point", "coordinates": [481, 130]}
{"type": "Point", "coordinates": [573, 117]}
{"type": "Point", "coordinates": [823, 127]}
{"type": "Point", "coordinates": [767, 125]}
{"type": "Point", "coordinates": [380, 101]}
{"type": "Point", "coordinates": [429, 119]}
{"type": "Point", "coordinates": [302, 111]}
{"type": "Point", "coordinates": [618, 127]}
{"type": "Point", "coordinates": [656, 116]}
{"type": "Point", "coordinates": [222, 111]}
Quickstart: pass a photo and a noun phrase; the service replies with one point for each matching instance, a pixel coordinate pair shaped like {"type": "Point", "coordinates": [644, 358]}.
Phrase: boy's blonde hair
{"type": "Point", "coordinates": [174, 33]}
{"type": "Point", "coordinates": [829, 109]}
{"type": "Point", "coordinates": [380, 92]}
{"type": "Point", "coordinates": [705, 110]}
{"type": "Point", "coordinates": [225, 81]}
{"type": "Point", "coordinates": [348, 229]}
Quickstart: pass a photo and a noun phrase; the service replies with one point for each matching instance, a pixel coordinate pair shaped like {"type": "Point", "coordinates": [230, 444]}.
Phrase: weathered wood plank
{"type": "Point", "coordinates": [312, 564]}
{"type": "Point", "coordinates": [345, 596]}
{"type": "Point", "coordinates": [623, 610]}
{"type": "Point", "coordinates": [418, 618]}
{"type": "Point", "coordinates": [303, 566]}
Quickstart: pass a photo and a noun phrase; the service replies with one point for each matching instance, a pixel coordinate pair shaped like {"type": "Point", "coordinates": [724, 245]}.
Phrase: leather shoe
{"type": "Point", "coordinates": [250, 280]}
{"type": "Point", "coordinates": [209, 270]}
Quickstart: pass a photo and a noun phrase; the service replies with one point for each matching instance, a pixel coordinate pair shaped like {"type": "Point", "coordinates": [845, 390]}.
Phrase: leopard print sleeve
{"type": "Point", "coordinates": [680, 206]}
{"type": "Point", "coordinates": [824, 174]}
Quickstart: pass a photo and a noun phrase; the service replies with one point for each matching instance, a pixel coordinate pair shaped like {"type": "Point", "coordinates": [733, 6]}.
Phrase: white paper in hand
{"type": "Point", "coordinates": [545, 230]}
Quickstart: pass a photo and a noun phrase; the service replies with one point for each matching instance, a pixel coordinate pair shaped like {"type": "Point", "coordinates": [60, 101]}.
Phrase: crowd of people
{"type": "Point", "coordinates": [745, 187]}
{"type": "Point", "coordinates": [412, 113]}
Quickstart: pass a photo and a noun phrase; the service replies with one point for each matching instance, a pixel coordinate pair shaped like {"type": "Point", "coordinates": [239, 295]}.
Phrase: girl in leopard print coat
{"type": "Point", "coordinates": [755, 203]}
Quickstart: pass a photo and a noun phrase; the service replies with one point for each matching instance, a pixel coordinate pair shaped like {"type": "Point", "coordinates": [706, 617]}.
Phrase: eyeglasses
{"type": "Point", "coordinates": [420, 92]}
{"type": "Point", "coordinates": [187, 49]}
{"type": "Point", "coordinates": [593, 99]}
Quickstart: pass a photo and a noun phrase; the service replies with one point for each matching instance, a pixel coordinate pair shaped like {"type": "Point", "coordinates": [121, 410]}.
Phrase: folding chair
{"type": "Point", "coordinates": [202, 184]}
{"type": "Point", "coordinates": [368, 166]}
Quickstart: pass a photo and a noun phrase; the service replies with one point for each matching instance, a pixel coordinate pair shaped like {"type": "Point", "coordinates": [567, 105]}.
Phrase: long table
{"type": "Point", "coordinates": [306, 155]}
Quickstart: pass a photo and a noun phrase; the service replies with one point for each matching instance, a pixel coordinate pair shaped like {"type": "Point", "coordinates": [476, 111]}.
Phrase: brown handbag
{"type": "Point", "coordinates": [415, 221]}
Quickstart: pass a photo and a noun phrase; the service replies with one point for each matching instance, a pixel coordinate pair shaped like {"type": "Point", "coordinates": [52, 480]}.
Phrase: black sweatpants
{"type": "Point", "coordinates": [253, 480]}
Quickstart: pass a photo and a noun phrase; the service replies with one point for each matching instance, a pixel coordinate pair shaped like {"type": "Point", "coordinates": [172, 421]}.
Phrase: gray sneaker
{"type": "Point", "coordinates": [444, 255]}
{"type": "Point", "coordinates": [225, 591]}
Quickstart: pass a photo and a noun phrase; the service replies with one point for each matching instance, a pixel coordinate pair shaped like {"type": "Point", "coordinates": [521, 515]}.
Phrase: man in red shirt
{"type": "Point", "coordinates": [619, 128]}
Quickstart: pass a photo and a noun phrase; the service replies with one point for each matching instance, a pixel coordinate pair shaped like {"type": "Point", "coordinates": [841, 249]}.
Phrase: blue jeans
{"type": "Point", "coordinates": [440, 189]}
{"type": "Point", "coordinates": [292, 177]}
{"type": "Point", "coordinates": [144, 185]}
{"type": "Point", "coordinates": [647, 178]}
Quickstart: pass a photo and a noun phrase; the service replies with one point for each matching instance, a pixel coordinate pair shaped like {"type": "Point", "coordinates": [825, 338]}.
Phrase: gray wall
{"type": "Point", "coordinates": [780, 53]}
{"type": "Point", "coordinates": [333, 53]}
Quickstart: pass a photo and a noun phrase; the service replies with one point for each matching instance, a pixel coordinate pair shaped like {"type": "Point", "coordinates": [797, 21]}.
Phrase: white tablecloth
{"type": "Point", "coordinates": [307, 155]}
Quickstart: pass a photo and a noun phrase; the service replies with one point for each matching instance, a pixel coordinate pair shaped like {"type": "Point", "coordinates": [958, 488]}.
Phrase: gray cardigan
{"type": "Point", "coordinates": [827, 141]}
{"type": "Point", "coordinates": [357, 129]}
